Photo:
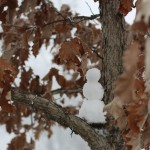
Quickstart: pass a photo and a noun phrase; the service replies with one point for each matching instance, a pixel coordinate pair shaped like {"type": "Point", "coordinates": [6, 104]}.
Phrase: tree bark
{"type": "Point", "coordinates": [114, 43]}
{"type": "Point", "coordinates": [54, 112]}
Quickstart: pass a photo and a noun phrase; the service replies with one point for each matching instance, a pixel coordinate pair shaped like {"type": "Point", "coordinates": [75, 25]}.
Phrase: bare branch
{"type": "Point", "coordinates": [76, 19]}
{"type": "Point", "coordinates": [54, 112]}
{"type": "Point", "coordinates": [67, 91]}
{"type": "Point", "coordinates": [71, 20]}
{"type": "Point", "coordinates": [89, 7]}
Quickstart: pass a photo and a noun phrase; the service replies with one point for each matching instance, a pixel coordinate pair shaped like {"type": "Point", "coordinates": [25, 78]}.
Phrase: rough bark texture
{"type": "Point", "coordinates": [114, 43]}
{"type": "Point", "coordinates": [54, 112]}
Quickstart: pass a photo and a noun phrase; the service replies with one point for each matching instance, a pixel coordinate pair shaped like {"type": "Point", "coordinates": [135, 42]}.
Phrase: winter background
{"type": "Point", "coordinates": [61, 138]}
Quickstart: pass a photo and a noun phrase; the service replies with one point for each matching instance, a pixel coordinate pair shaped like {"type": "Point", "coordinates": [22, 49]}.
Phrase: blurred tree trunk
{"type": "Point", "coordinates": [114, 43]}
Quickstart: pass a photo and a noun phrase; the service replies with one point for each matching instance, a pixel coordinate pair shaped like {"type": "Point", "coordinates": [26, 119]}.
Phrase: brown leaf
{"type": "Point", "coordinates": [25, 78]}
{"type": "Point", "coordinates": [134, 140]}
{"type": "Point", "coordinates": [137, 115]}
{"type": "Point", "coordinates": [146, 133]}
{"type": "Point", "coordinates": [147, 64]}
{"type": "Point", "coordinates": [35, 86]}
{"type": "Point", "coordinates": [83, 67]}
{"type": "Point", "coordinates": [71, 110]}
{"type": "Point", "coordinates": [115, 108]}
{"type": "Point", "coordinates": [140, 27]}
{"type": "Point", "coordinates": [125, 6]}
{"type": "Point", "coordinates": [2, 2]}
{"type": "Point", "coordinates": [143, 12]}
{"type": "Point", "coordinates": [20, 143]}
{"type": "Point", "coordinates": [127, 79]}
{"type": "Point", "coordinates": [71, 52]}
{"type": "Point", "coordinates": [4, 65]}
{"type": "Point", "coordinates": [37, 42]}
{"type": "Point", "coordinates": [27, 5]}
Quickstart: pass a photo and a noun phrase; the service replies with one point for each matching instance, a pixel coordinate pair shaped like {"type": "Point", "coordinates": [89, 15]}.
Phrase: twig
{"type": "Point", "coordinates": [89, 7]}
{"type": "Point", "coordinates": [98, 55]}
{"type": "Point", "coordinates": [68, 91]}
{"type": "Point", "coordinates": [76, 19]}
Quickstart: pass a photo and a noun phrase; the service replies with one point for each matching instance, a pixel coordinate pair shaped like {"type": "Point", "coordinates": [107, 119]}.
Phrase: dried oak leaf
{"type": "Point", "coordinates": [37, 42]}
{"type": "Point", "coordinates": [7, 76]}
{"type": "Point", "coordinates": [27, 5]}
{"type": "Point", "coordinates": [149, 107]}
{"type": "Point", "coordinates": [25, 78]}
{"type": "Point", "coordinates": [146, 133]}
{"type": "Point", "coordinates": [24, 51]}
{"type": "Point", "coordinates": [140, 27]}
{"type": "Point", "coordinates": [35, 86]}
{"type": "Point", "coordinates": [147, 66]}
{"type": "Point", "coordinates": [125, 6]}
{"type": "Point", "coordinates": [83, 67]}
{"type": "Point", "coordinates": [4, 65]}
{"type": "Point", "coordinates": [71, 52]}
{"type": "Point", "coordinates": [137, 115]}
{"type": "Point", "coordinates": [26, 111]}
{"type": "Point", "coordinates": [89, 34]}
{"type": "Point", "coordinates": [130, 90]}
{"type": "Point", "coordinates": [143, 12]}
{"type": "Point", "coordinates": [115, 108]}
{"type": "Point", "coordinates": [20, 143]}
{"type": "Point", "coordinates": [133, 140]}
{"type": "Point", "coordinates": [2, 2]}
{"type": "Point", "coordinates": [12, 5]}
{"type": "Point", "coordinates": [70, 110]}
{"type": "Point", "coordinates": [127, 79]}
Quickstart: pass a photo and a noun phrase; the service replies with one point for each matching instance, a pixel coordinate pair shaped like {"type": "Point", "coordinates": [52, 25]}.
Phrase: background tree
{"type": "Point", "coordinates": [33, 23]}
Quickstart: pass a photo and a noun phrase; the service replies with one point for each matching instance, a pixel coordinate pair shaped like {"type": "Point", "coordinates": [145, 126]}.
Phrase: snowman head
{"type": "Point", "coordinates": [93, 75]}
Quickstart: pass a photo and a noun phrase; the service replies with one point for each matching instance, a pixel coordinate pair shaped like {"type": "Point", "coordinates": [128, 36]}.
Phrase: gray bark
{"type": "Point", "coordinates": [114, 43]}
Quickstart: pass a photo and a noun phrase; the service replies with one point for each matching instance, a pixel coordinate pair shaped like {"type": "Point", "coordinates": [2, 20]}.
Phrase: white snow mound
{"type": "Point", "coordinates": [92, 111]}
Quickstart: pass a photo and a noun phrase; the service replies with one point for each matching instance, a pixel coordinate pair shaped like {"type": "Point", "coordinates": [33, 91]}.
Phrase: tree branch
{"type": "Point", "coordinates": [70, 19]}
{"type": "Point", "coordinates": [54, 112]}
{"type": "Point", "coordinates": [76, 19]}
{"type": "Point", "coordinates": [67, 91]}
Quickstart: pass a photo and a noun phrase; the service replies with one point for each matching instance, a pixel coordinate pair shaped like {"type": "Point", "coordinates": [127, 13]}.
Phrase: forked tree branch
{"type": "Point", "coordinates": [55, 112]}
{"type": "Point", "coordinates": [71, 20]}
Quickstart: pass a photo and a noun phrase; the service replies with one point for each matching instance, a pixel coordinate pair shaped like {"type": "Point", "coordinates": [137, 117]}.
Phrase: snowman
{"type": "Point", "coordinates": [92, 107]}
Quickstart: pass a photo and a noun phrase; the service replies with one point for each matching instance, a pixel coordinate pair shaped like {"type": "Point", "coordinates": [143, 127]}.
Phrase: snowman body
{"type": "Point", "coordinates": [93, 91]}
{"type": "Point", "coordinates": [92, 108]}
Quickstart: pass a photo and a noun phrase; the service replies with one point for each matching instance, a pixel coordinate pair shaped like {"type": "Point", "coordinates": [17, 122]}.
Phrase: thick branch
{"type": "Point", "coordinates": [54, 112]}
